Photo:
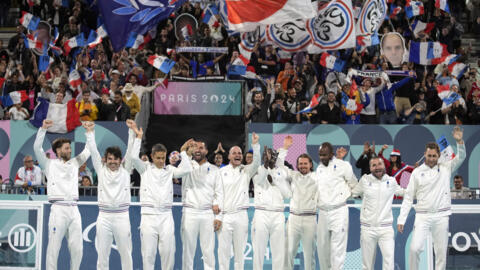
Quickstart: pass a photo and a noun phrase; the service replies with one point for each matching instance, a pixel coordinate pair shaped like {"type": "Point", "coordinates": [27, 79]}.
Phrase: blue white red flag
{"type": "Point", "coordinates": [65, 117]}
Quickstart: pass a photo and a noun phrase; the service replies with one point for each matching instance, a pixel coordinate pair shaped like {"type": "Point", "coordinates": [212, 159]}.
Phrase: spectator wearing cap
{"type": "Point", "coordinates": [139, 90]}
{"type": "Point", "coordinates": [394, 166]}
{"type": "Point", "coordinates": [116, 76]}
{"type": "Point", "coordinates": [368, 114]}
{"type": "Point", "coordinates": [131, 100]}
{"type": "Point", "coordinates": [454, 113]}
{"type": "Point", "coordinates": [87, 109]}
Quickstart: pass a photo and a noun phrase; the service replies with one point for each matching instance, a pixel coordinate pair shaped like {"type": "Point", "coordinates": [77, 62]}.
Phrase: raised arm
{"type": "Point", "coordinates": [128, 163]}
{"type": "Point", "coordinates": [92, 146]}
{"type": "Point", "coordinates": [350, 177]}
{"type": "Point", "coordinates": [252, 168]}
{"type": "Point", "coordinates": [185, 166]}
{"type": "Point", "coordinates": [460, 157]}
{"type": "Point", "coordinates": [37, 145]}
{"type": "Point", "coordinates": [137, 163]}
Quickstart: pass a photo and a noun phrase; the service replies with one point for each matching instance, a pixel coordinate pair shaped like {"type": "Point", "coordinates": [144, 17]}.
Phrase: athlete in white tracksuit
{"type": "Point", "coordinates": [430, 185]}
{"type": "Point", "coordinates": [269, 220]}
{"type": "Point", "coordinates": [335, 179]}
{"type": "Point", "coordinates": [113, 220]}
{"type": "Point", "coordinates": [64, 220]}
{"type": "Point", "coordinates": [377, 190]}
{"type": "Point", "coordinates": [236, 179]}
{"type": "Point", "coordinates": [157, 230]}
{"type": "Point", "coordinates": [302, 220]}
{"type": "Point", "coordinates": [202, 192]}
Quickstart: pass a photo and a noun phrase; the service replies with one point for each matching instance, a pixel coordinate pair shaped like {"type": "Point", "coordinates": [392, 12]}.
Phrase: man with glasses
{"type": "Point", "coordinates": [29, 175]}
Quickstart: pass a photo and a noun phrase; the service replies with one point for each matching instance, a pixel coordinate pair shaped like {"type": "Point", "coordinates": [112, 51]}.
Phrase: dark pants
{"type": "Point", "coordinates": [368, 119]}
{"type": "Point", "coordinates": [388, 117]}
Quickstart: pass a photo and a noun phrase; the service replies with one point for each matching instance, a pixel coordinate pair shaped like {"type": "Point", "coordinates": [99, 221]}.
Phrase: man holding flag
{"type": "Point", "coordinates": [430, 185]}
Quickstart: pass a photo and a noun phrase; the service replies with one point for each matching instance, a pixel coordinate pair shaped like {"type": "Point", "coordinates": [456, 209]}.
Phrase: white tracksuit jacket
{"type": "Point", "coordinates": [62, 176]}
{"type": "Point", "coordinates": [377, 197]}
{"type": "Point", "coordinates": [268, 196]}
{"type": "Point", "coordinates": [334, 183]}
{"type": "Point", "coordinates": [431, 188]}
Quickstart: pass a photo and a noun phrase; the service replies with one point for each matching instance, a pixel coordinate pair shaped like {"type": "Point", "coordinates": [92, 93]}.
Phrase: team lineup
{"type": "Point", "coordinates": [215, 200]}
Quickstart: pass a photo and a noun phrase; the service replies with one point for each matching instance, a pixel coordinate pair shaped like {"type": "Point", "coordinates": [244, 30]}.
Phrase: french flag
{"type": "Point", "coordinates": [209, 16]}
{"type": "Point", "coordinates": [77, 41]}
{"type": "Point", "coordinates": [29, 21]}
{"type": "Point", "coordinates": [457, 69]}
{"type": "Point", "coordinates": [161, 63]}
{"type": "Point", "coordinates": [137, 41]}
{"type": "Point", "coordinates": [65, 117]}
{"type": "Point", "coordinates": [436, 50]}
{"type": "Point", "coordinates": [55, 35]}
{"type": "Point", "coordinates": [187, 32]}
{"type": "Point", "coordinates": [414, 8]}
{"type": "Point", "coordinates": [418, 53]}
{"type": "Point", "coordinates": [93, 39]}
{"type": "Point", "coordinates": [329, 61]}
{"type": "Point", "coordinates": [102, 31]}
{"type": "Point", "coordinates": [445, 60]}
{"type": "Point", "coordinates": [74, 79]}
{"type": "Point", "coordinates": [14, 97]}
{"type": "Point", "coordinates": [365, 41]}
{"type": "Point", "coordinates": [419, 26]}
{"type": "Point", "coordinates": [443, 5]}
{"type": "Point", "coordinates": [313, 104]}
{"type": "Point", "coordinates": [32, 43]}
{"type": "Point", "coordinates": [250, 73]}
{"type": "Point", "coordinates": [56, 50]}
{"type": "Point", "coordinates": [446, 150]}
{"type": "Point", "coordinates": [238, 66]}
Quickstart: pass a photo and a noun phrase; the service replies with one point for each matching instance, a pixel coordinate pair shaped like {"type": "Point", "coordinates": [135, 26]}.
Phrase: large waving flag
{"type": "Point", "coordinates": [222, 8]}
{"type": "Point", "coordinates": [436, 50]}
{"type": "Point", "coordinates": [331, 62]}
{"type": "Point", "coordinates": [209, 16]}
{"type": "Point", "coordinates": [414, 8]}
{"type": "Point", "coordinates": [333, 28]}
{"type": "Point", "coordinates": [419, 26]}
{"type": "Point", "coordinates": [14, 97]}
{"type": "Point", "coordinates": [161, 63]}
{"type": "Point", "coordinates": [457, 69]}
{"type": "Point", "coordinates": [245, 16]}
{"type": "Point", "coordinates": [123, 17]}
{"type": "Point", "coordinates": [371, 16]}
{"type": "Point", "coordinates": [445, 60]}
{"type": "Point", "coordinates": [65, 116]}
{"type": "Point", "coordinates": [249, 39]}
{"type": "Point", "coordinates": [419, 52]}
{"type": "Point", "coordinates": [290, 36]}
{"type": "Point", "coordinates": [29, 21]}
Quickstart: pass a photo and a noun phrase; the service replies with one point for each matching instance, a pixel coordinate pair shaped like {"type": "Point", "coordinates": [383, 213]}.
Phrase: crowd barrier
{"type": "Point", "coordinates": [23, 238]}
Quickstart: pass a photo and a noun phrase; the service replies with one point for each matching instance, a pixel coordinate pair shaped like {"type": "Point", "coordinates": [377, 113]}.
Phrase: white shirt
{"type": "Point", "coordinates": [270, 196]}
{"type": "Point", "coordinates": [431, 188]}
{"type": "Point", "coordinates": [156, 186]}
{"type": "Point", "coordinates": [236, 182]}
{"type": "Point", "coordinates": [31, 176]}
{"type": "Point", "coordinates": [377, 196]}
{"type": "Point", "coordinates": [113, 186]}
{"type": "Point", "coordinates": [334, 183]}
{"type": "Point", "coordinates": [16, 114]}
{"type": "Point", "coordinates": [62, 176]}
{"type": "Point", "coordinates": [201, 189]}
{"type": "Point", "coordinates": [370, 109]}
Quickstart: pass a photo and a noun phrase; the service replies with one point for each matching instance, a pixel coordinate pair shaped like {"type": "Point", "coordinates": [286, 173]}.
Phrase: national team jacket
{"type": "Point", "coordinates": [156, 184]}
{"type": "Point", "coordinates": [431, 188]}
{"type": "Point", "coordinates": [113, 186]}
{"type": "Point", "coordinates": [377, 196]}
{"type": "Point", "coordinates": [270, 196]}
{"type": "Point", "coordinates": [236, 181]}
{"type": "Point", "coordinates": [62, 176]}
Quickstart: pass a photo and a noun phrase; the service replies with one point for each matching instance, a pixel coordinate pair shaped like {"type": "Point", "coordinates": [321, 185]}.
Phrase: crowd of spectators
{"type": "Point", "coordinates": [113, 82]}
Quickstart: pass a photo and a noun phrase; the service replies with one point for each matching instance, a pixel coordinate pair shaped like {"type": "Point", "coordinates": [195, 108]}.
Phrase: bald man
{"type": "Point", "coordinates": [236, 179]}
{"type": "Point", "coordinates": [393, 47]}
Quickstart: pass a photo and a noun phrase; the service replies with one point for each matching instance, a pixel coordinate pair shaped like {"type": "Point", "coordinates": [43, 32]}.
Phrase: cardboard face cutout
{"type": "Point", "coordinates": [393, 48]}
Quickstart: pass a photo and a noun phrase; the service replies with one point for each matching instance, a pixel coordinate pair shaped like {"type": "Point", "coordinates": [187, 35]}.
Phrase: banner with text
{"type": "Point", "coordinates": [194, 98]}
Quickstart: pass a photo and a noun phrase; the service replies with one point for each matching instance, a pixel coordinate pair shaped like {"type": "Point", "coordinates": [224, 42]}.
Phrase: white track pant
{"type": "Point", "coordinates": [234, 229]}
{"type": "Point", "coordinates": [64, 221]}
{"type": "Point", "coordinates": [197, 223]}
{"type": "Point", "coordinates": [301, 228]}
{"type": "Point", "coordinates": [384, 237]}
{"type": "Point", "coordinates": [438, 226]}
{"type": "Point", "coordinates": [158, 232]}
{"type": "Point", "coordinates": [114, 226]}
{"type": "Point", "coordinates": [332, 233]}
{"type": "Point", "coordinates": [268, 225]}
